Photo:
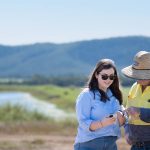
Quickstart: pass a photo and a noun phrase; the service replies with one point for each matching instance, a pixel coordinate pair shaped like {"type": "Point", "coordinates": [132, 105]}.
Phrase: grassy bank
{"type": "Point", "coordinates": [63, 97]}
{"type": "Point", "coordinates": [14, 119]}
{"type": "Point", "coordinates": [18, 119]}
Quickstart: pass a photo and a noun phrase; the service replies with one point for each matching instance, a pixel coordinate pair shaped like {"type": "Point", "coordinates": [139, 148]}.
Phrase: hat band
{"type": "Point", "coordinates": [139, 69]}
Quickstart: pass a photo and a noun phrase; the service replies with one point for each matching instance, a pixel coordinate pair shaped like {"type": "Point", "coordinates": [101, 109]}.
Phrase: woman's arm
{"type": "Point", "coordinates": [100, 124]}
{"type": "Point", "coordinates": [83, 110]}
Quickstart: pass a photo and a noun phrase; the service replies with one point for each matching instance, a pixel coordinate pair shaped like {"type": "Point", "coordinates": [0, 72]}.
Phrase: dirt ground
{"type": "Point", "coordinates": [43, 142]}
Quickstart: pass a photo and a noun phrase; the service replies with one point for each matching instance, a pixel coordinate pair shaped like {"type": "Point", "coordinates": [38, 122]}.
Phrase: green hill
{"type": "Point", "coordinates": [76, 58]}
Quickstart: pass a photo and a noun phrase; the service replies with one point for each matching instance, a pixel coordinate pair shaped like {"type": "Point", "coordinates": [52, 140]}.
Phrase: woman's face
{"type": "Point", "coordinates": [105, 78]}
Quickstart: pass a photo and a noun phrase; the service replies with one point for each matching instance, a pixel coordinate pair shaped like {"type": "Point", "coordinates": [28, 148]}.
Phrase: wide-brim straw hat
{"type": "Point", "coordinates": [140, 69]}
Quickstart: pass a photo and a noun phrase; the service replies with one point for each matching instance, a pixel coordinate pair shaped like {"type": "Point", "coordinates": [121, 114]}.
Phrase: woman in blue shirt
{"type": "Point", "coordinates": [97, 109]}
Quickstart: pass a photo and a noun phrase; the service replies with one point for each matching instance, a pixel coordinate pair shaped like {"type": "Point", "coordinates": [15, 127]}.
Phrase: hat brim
{"type": "Point", "coordinates": [136, 74]}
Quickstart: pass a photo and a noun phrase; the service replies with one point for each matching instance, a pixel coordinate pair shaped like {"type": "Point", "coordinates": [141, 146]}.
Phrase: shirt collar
{"type": "Point", "coordinates": [137, 90]}
{"type": "Point", "coordinates": [108, 92]}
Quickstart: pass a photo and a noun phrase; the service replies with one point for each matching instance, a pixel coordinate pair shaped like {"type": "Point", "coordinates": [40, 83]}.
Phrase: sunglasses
{"type": "Point", "coordinates": [105, 77]}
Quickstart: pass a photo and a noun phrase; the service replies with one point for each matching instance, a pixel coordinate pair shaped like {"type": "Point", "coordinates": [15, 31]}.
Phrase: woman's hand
{"type": "Point", "coordinates": [121, 118]}
{"type": "Point", "coordinates": [108, 121]}
{"type": "Point", "coordinates": [100, 124]}
{"type": "Point", "coordinates": [127, 139]}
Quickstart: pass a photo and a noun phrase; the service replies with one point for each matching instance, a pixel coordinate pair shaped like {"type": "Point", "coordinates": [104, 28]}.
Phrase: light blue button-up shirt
{"type": "Point", "coordinates": [89, 109]}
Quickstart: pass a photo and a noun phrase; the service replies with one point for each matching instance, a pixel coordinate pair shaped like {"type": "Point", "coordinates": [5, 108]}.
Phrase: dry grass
{"type": "Point", "coordinates": [43, 142]}
{"type": "Point", "coordinates": [41, 136]}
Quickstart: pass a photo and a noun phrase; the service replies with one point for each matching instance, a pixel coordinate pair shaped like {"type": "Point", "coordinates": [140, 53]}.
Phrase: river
{"type": "Point", "coordinates": [31, 103]}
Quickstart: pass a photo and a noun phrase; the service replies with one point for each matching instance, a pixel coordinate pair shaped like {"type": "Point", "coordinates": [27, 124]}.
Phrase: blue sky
{"type": "Point", "coordinates": [59, 21]}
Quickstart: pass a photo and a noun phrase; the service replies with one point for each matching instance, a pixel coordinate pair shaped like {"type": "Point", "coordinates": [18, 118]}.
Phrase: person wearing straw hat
{"type": "Point", "coordinates": [137, 130]}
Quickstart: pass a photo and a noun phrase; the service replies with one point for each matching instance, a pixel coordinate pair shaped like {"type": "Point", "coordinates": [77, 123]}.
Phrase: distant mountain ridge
{"type": "Point", "coordinates": [75, 58]}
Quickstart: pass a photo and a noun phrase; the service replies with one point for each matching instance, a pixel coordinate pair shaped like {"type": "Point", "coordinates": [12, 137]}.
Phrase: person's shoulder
{"type": "Point", "coordinates": [132, 91]}
{"type": "Point", "coordinates": [134, 86]}
{"type": "Point", "coordinates": [85, 95]}
{"type": "Point", "coordinates": [86, 92]}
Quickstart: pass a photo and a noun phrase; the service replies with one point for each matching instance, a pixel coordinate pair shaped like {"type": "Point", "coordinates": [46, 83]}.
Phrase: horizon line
{"type": "Point", "coordinates": [74, 41]}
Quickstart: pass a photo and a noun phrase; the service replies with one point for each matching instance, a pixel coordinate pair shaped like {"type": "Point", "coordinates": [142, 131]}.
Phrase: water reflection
{"type": "Point", "coordinates": [30, 103]}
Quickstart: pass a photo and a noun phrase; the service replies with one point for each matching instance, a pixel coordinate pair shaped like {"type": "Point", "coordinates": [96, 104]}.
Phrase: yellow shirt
{"type": "Point", "coordinates": [139, 99]}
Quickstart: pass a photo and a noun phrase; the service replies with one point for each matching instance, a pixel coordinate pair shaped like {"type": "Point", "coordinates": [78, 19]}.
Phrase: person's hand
{"type": "Point", "coordinates": [133, 112]}
{"type": "Point", "coordinates": [121, 118]}
{"type": "Point", "coordinates": [127, 139]}
{"type": "Point", "coordinates": [108, 121]}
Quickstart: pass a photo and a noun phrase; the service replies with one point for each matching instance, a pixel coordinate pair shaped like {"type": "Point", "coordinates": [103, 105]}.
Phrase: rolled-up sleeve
{"type": "Point", "coordinates": [83, 110]}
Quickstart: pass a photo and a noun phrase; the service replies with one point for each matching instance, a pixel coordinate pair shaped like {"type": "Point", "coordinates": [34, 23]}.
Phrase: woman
{"type": "Point", "coordinates": [97, 107]}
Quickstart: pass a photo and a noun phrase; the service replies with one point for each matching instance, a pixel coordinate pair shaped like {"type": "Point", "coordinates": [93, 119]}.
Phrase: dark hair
{"type": "Point", "coordinates": [114, 87]}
